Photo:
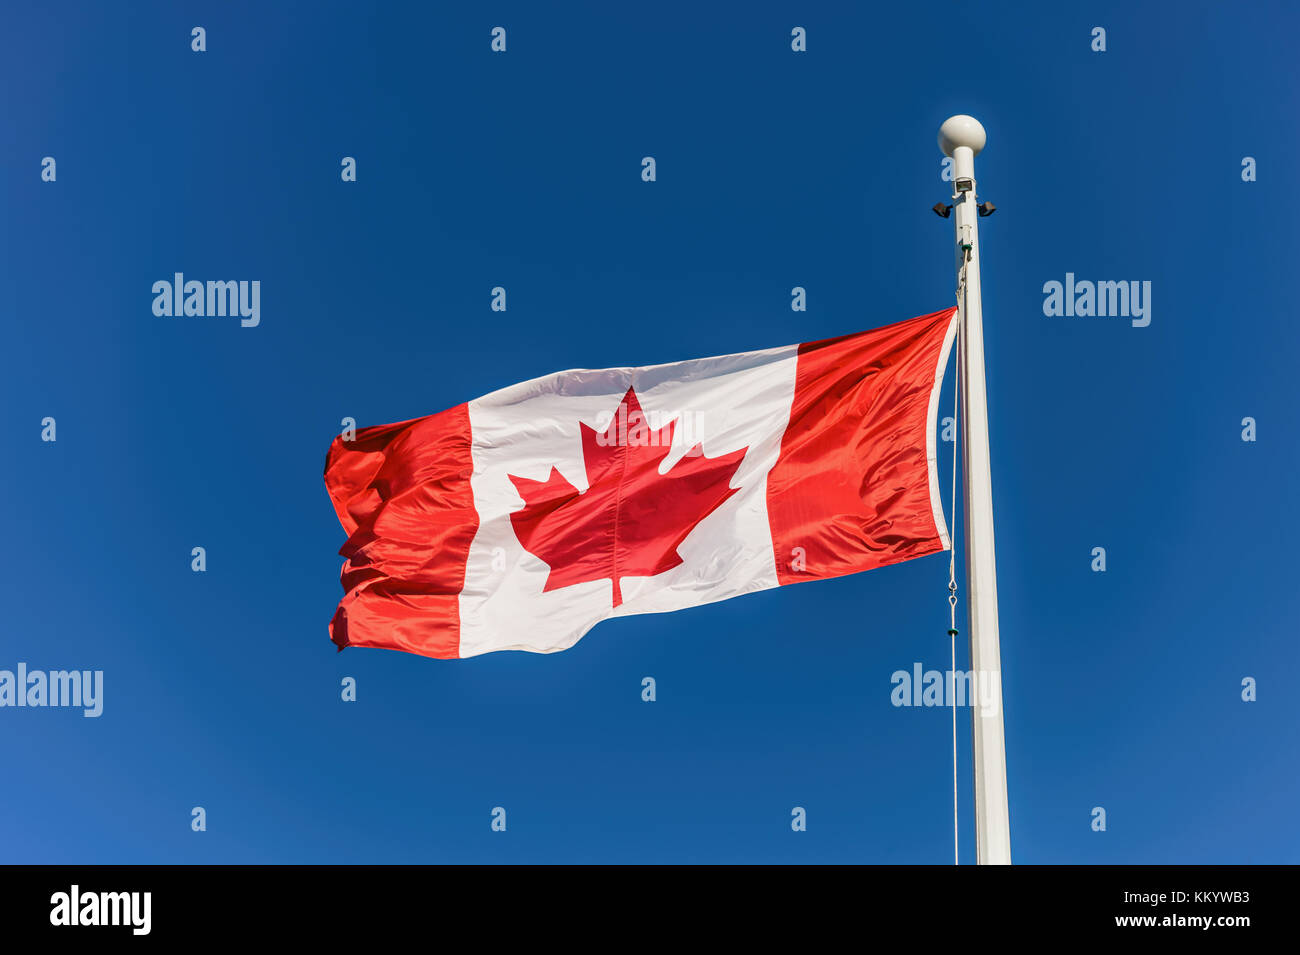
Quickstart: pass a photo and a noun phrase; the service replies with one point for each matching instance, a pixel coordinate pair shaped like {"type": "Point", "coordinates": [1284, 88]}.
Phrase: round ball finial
{"type": "Point", "coordinates": [961, 131]}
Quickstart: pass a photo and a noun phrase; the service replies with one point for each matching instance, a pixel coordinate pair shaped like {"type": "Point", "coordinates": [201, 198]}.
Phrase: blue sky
{"type": "Point", "coordinates": [522, 169]}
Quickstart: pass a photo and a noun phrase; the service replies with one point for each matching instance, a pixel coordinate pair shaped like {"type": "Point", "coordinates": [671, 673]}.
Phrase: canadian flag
{"type": "Point", "coordinates": [520, 520]}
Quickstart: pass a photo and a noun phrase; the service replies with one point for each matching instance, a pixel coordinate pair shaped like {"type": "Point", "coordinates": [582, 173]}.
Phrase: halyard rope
{"type": "Point", "coordinates": [952, 553]}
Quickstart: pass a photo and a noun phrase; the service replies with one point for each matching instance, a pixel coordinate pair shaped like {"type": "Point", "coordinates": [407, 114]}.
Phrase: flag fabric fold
{"type": "Point", "coordinates": [521, 519]}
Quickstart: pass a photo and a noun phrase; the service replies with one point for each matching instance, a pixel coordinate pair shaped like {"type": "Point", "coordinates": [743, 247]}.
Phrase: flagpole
{"type": "Point", "coordinates": [961, 137]}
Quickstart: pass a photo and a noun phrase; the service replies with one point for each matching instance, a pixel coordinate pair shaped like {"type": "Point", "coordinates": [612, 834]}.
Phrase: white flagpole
{"type": "Point", "coordinates": [961, 137]}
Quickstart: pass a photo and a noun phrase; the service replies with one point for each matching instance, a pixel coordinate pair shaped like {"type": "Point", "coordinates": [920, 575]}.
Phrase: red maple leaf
{"type": "Point", "coordinates": [631, 518]}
